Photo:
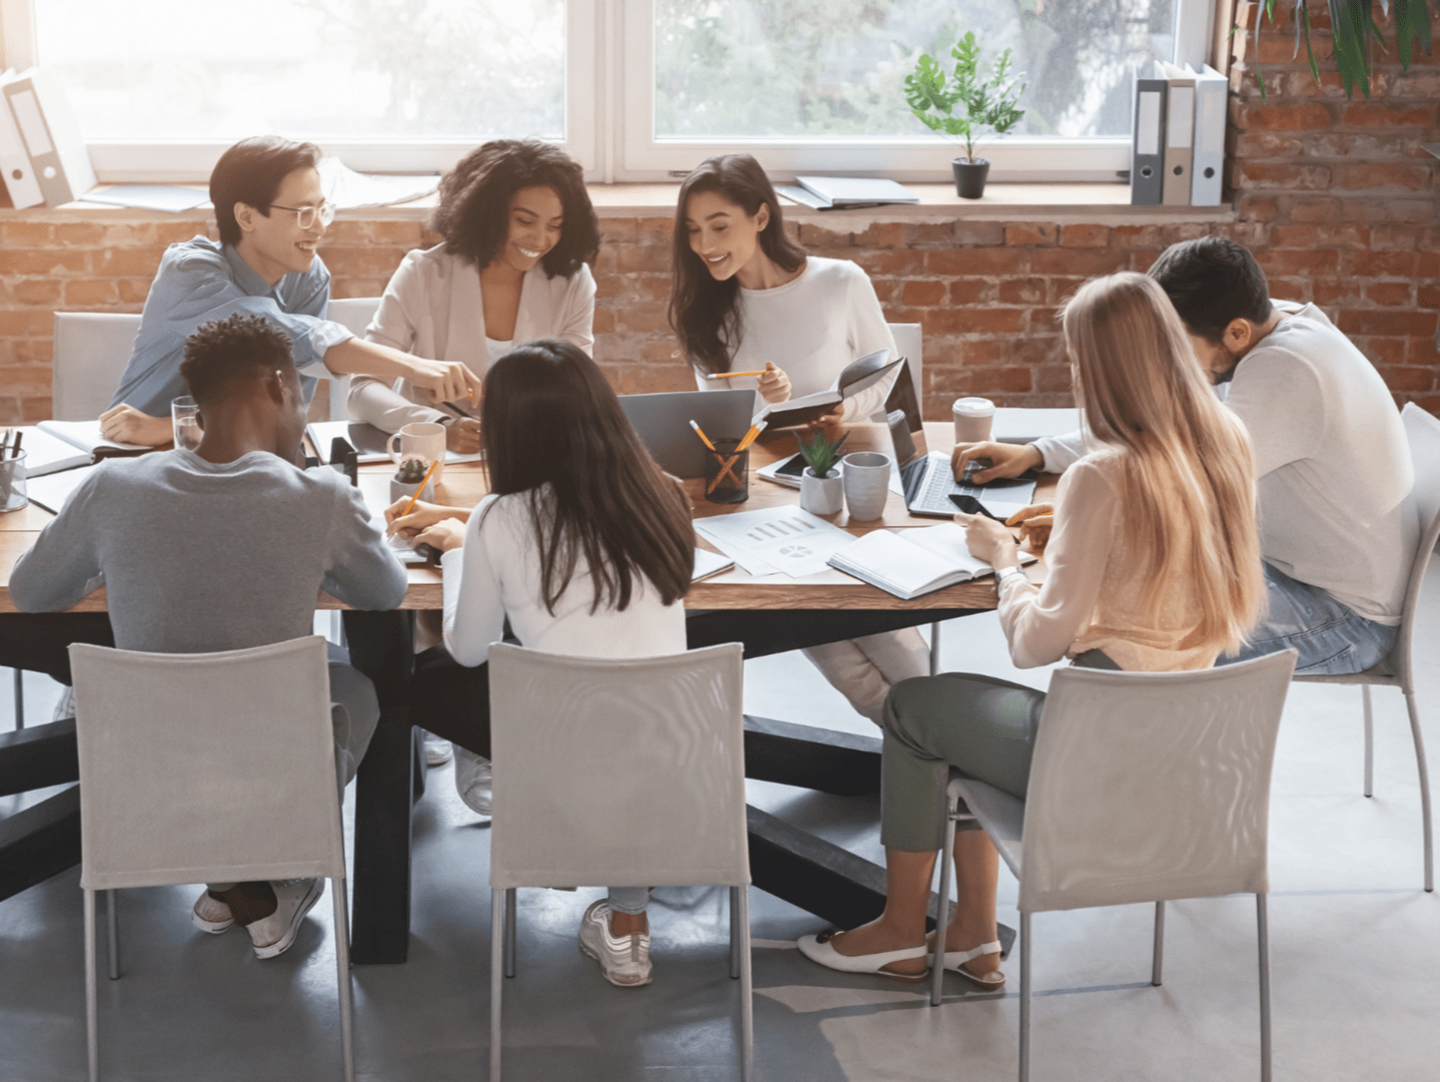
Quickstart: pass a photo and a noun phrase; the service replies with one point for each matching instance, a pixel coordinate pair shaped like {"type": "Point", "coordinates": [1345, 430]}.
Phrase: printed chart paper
{"type": "Point", "coordinates": [775, 540]}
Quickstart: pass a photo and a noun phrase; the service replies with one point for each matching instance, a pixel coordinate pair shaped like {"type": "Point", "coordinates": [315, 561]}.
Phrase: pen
{"type": "Point", "coordinates": [703, 438]}
{"type": "Point", "coordinates": [428, 474]}
{"type": "Point", "coordinates": [731, 375]}
{"type": "Point", "coordinates": [15, 450]}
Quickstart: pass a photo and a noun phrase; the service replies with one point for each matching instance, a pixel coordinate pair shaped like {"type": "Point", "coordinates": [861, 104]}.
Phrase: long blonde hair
{"type": "Point", "coordinates": [1187, 468]}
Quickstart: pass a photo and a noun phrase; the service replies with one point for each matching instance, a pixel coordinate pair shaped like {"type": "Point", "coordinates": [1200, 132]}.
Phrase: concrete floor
{"type": "Point", "coordinates": [1353, 939]}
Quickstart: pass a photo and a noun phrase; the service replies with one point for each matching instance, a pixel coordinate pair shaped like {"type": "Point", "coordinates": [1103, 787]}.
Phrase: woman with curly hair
{"type": "Point", "coordinates": [518, 229]}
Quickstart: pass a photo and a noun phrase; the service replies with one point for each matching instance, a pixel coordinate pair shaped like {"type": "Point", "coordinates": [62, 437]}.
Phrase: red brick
{"type": "Point", "coordinates": [604, 322]}
{"type": "Point", "coordinates": [1289, 177]}
{"type": "Point", "coordinates": [975, 320]}
{"type": "Point", "coordinates": [1331, 291]}
{"type": "Point", "coordinates": [924, 294]}
{"type": "Point", "coordinates": [896, 261]}
{"type": "Point", "coordinates": [25, 235]}
{"type": "Point", "coordinates": [1142, 235]}
{"type": "Point", "coordinates": [44, 261]}
{"type": "Point", "coordinates": [133, 291]}
{"type": "Point", "coordinates": [1037, 234]}
{"type": "Point", "coordinates": [1062, 289]}
{"type": "Point", "coordinates": [1374, 115]}
{"type": "Point", "coordinates": [1310, 116]}
{"type": "Point", "coordinates": [655, 287]}
{"type": "Point", "coordinates": [643, 259]}
{"type": "Point", "coordinates": [650, 318]}
{"type": "Point", "coordinates": [1315, 236]}
{"type": "Point", "coordinates": [1385, 351]}
{"type": "Point", "coordinates": [609, 285]}
{"type": "Point", "coordinates": [1389, 294]}
{"type": "Point", "coordinates": [1298, 262]}
{"type": "Point", "coordinates": [25, 379]}
{"type": "Point", "coordinates": [977, 261]}
{"type": "Point", "coordinates": [1427, 264]}
{"type": "Point", "coordinates": [1428, 294]}
{"type": "Point", "coordinates": [656, 230]}
{"type": "Point", "coordinates": [1268, 144]}
{"type": "Point", "coordinates": [1382, 175]}
{"type": "Point", "coordinates": [41, 291]}
{"type": "Point", "coordinates": [1084, 236]}
{"type": "Point", "coordinates": [402, 233]}
{"type": "Point", "coordinates": [144, 262]}
{"type": "Point", "coordinates": [77, 234]}
{"type": "Point", "coordinates": [1423, 351]}
{"type": "Point", "coordinates": [1022, 290]}
{"type": "Point", "coordinates": [979, 234]}
{"type": "Point", "coordinates": [90, 292]}
{"type": "Point", "coordinates": [932, 234]}
{"type": "Point", "coordinates": [340, 260]}
{"type": "Point", "coordinates": [1380, 264]}
{"type": "Point", "coordinates": [1314, 210]}
{"type": "Point", "coordinates": [984, 380]}
{"type": "Point", "coordinates": [34, 350]}
{"type": "Point", "coordinates": [1360, 321]}
{"type": "Point", "coordinates": [882, 235]}
{"type": "Point", "coordinates": [619, 230]}
{"type": "Point", "coordinates": [26, 323]}
{"type": "Point", "coordinates": [1392, 237]}
{"type": "Point", "coordinates": [167, 233]}
{"type": "Point", "coordinates": [1410, 378]}
{"type": "Point", "coordinates": [1073, 261]}
{"type": "Point", "coordinates": [971, 291]}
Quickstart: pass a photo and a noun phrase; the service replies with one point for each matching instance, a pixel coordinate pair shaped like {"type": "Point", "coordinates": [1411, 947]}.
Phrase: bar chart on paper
{"type": "Point", "coordinates": [775, 540]}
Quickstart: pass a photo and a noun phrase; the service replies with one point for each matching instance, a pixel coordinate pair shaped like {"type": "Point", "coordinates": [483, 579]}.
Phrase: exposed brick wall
{"type": "Point", "coordinates": [1336, 198]}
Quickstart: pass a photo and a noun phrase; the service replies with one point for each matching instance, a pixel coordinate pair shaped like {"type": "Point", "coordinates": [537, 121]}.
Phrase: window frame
{"type": "Point", "coordinates": [609, 104]}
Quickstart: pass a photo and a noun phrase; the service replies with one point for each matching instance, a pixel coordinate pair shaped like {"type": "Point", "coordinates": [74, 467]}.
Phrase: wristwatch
{"type": "Point", "coordinates": [1004, 572]}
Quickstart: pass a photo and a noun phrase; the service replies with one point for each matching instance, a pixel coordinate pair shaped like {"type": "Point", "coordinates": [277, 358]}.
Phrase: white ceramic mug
{"type": "Point", "coordinates": [973, 419]}
{"type": "Point", "coordinates": [423, 439]}
{"type": "Point", "coordinates": [867, 484]}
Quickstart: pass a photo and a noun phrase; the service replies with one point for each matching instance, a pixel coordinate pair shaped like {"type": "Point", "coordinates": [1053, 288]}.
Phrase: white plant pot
{"type": "Point", "coordinates": [399, 490]}
{"type": "Point", "coordinates": [822, 495]}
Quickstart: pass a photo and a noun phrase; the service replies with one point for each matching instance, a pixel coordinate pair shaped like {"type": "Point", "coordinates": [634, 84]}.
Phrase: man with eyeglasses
{"type": "Point", "coordinates": [272, 214]}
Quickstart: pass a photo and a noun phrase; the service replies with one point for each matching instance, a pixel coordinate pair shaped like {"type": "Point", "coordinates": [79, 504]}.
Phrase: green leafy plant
{"type": "Point", "coordinates": [412, 471]}
{"type": "Point", "coordinates": [1354, 26]}
{"type": "Point", "coordinates": [986, 101]}
{"type": "Point", "coordinates": [820, 454]}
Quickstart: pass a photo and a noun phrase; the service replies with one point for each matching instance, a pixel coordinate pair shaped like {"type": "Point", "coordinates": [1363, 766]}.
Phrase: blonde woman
{"type": "Point", "coordinates": [1154, 565]}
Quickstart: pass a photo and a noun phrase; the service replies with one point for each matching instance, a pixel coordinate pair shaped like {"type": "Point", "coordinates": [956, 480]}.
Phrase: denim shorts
{"type": "Point", "coordinates": [1332, 638]}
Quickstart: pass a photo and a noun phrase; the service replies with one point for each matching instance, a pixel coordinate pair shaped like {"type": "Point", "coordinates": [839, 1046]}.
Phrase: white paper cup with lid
{"type": "Point", "coordinates": [973, 419]}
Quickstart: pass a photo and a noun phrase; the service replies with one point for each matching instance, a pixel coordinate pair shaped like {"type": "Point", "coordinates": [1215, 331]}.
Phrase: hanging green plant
{"type": "Point", "coordinates": [1354, 26]}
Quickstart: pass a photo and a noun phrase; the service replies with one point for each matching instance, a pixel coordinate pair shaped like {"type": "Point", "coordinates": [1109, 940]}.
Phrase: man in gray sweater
{"type": "Point", "coordinates": [223, 548]}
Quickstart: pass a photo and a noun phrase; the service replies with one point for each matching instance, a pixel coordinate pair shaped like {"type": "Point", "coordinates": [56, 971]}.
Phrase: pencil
{"type": "Point", "coordinates": [732, 375]}
{"type": "Point", "coordinates": [428, 474]}
{"type": "Point", "coordinates": [703, 438]}
{"type": "Point", "coordinates": [15, 449]}
{"type": "Point", "coordinates": [751, 436]}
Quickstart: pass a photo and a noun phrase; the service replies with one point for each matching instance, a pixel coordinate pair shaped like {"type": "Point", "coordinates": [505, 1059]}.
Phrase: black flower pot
{"type": "Point", "coordinates": [970, 176]}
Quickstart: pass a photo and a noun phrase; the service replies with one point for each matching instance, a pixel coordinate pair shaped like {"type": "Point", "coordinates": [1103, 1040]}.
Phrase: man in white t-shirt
{"type": "Point", "coordinates": [1330, 454]}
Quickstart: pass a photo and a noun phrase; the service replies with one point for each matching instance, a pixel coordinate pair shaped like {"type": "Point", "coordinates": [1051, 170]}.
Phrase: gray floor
{"type": "Point", "coordinates": [1354, 944]}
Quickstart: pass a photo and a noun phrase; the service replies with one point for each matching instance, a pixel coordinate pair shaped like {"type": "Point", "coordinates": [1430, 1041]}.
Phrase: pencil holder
{"type": "Point", "coordinates": [727, 473]}
{"type": "Point", "coordinates": [12, 482]}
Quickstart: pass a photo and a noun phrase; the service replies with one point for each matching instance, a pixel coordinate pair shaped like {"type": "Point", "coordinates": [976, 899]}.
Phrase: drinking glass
{"type": "Point", "coordinates": [185, 421]}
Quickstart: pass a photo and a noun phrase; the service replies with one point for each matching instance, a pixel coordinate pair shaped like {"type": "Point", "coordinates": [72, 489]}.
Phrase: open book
{"type": "Point", "coordinates": [913, 562]}
{"type": "Point", "coordinates": [858, 376]}
{"type": "Point", "coordinates": [85, 435]}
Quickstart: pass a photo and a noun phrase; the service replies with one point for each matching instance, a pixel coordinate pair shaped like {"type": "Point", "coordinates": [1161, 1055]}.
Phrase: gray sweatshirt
{"type": "Point", "coordinates": [197, 557]}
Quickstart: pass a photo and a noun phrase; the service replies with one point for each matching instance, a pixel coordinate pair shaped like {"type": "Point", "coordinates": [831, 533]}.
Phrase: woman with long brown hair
{"type": "Point", "coordinates": [583, 544]}
{"type": "Point", "coordinates": [1154, 565]}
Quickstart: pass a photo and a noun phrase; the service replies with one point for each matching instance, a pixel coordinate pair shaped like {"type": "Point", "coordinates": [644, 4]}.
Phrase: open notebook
{"type": "Point", "coordinates": [910, 563]}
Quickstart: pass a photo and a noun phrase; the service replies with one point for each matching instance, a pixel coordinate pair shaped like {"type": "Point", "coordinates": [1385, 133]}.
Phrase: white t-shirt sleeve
{"type": "Point", "coordinates": [1060, 452]}
{"type": "Point", "coordinates": [869, 334]}
{"type": "Point", "coordinates": [1041, 622]}
{"type": "Point", "coordinates": [474, 608]}
{"type": "Point", "coordinates": [1282, 404]}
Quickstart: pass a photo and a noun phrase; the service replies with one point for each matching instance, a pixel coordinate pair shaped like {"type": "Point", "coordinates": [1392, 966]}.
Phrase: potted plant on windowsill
{"type": "Point", "coordinates": [822, 489]}
{"type": "Point", "coordinates": [986, 103]}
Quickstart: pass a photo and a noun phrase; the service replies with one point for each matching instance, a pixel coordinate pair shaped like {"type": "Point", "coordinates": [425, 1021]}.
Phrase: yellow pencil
{"type": "Point", "coordinates": [703, 438]}
{"type": "Point", "coordinates": [428, 474]}
{"type": "Point", "coordinates": [751, 436]}
{"type": "Point", "coordinates": [732, 375]}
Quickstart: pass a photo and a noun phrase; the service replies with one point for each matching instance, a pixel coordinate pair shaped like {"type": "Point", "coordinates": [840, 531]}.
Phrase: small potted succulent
{"type": "Point", "coordinates": [822, 489]}
{"type": "Point", "coordinates": [408, 478]}
{"type": "Point", "coordinates": [986, 101]}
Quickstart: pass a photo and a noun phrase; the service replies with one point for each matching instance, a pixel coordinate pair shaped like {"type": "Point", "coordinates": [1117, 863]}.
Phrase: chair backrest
{"type": "Point", "coordinates": [617, 772]}
{"type": "Point", "coordinates": [908, 340]}
{"type": "Point", "coordinates": [1422, 433]}
{"type": "Point", "coordinates": [200, 768]}
{"type": "Point", "coordinates": [90, 355]}
{"type": "Point", "coordinates": [1151, 786]}
{"type": "Point", "coordinates": [354, 314]}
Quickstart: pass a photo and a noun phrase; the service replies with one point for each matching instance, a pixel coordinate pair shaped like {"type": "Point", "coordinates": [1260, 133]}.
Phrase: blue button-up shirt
{"type": "Point", "coordinates": [199, 281]}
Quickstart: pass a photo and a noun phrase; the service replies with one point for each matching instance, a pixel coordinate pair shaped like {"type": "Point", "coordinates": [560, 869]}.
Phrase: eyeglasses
{"type": "Point", "coordinates": [305, 216]}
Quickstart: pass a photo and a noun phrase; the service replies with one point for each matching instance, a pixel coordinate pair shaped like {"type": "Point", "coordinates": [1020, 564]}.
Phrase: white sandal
{"type": "Point", "coordinates": [955, 963]}
{"type": "Point", "coordinates": [818, 949]}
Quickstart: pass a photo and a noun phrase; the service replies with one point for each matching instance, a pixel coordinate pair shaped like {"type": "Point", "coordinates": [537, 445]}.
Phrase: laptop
{"type": "Point", "coordinates": [662, 421]}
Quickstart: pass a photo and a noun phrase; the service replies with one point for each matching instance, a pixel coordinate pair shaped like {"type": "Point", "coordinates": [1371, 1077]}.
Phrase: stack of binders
{"type": "Point", "coordinates": [43, 158]}
{"type": "Point", "coordinates": [1178, 152]}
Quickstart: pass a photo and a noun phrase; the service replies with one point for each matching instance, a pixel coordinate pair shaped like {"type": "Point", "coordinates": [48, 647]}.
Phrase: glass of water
{"type": "Point", "coordinates": [185, 417]}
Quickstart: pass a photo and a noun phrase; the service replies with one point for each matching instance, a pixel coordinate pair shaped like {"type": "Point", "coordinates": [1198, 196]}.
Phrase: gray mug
{"type": "Point", "coordinates": [867, 483]}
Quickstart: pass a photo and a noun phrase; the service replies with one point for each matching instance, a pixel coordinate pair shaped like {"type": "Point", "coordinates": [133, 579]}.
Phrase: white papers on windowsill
{"type": "Point", "coordinates": [775, 540]}
{"type": "Point", "coordinates": [349, 190]}
{"type": "Point", "coordinates": [172, 199]}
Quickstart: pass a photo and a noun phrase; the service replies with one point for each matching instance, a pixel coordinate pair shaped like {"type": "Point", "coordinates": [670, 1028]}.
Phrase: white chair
{"type": "Point", "coordinates": [1422, 432]}
{"type": "Point", "coordinates": [90, 355]}
{"type": "Point", "coordinates": [1144, 787]}
{"type": "Point", "coordinates": [621, 773]}
{"type": "Point", "coordinates": [243, 812]}
{"type": "Point", "coordinates": [354, 314]}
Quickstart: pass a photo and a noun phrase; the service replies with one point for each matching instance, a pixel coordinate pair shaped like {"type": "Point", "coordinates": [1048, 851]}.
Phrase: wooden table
{"type": "Point", "coordinates": [803, 869]}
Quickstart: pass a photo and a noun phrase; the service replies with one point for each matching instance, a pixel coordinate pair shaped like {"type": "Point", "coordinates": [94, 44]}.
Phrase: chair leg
{"type": "Point", "coordinates": [92, 1020]}
{"type": "Point", "coordinates": [1024, 997]}
{"type": "Point", "coordinates": [735, 933]}
{"type": "Point", "coordinates": [1420, 763]}
{"type": "Point", "coordinates": [19, 699]}
{"type": "Point", "coordinates": [510, 923]}
{"type": "Point", "coordinates": [935, 648]}
{"type": "Point", "coordinates": [497, 977]}
{"type": "Point", "coordinates": [1369, 742]}
{"type": "Point", "coordinates": [747, 988]}
{"type": "Point", "coordinates": [338, 892]}
{"type": "Point", "coordinates": [112, 917]}
{"type": "Point", "coordinates": [1159, 944]}
{"type": "Point", "coordinates": [1263, 934]}
{"type": "Point", "coordinates": [942, 912]}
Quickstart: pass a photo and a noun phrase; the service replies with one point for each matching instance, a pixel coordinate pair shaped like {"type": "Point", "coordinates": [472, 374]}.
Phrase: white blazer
{"type": "Point", "coordinates": [432, 308]}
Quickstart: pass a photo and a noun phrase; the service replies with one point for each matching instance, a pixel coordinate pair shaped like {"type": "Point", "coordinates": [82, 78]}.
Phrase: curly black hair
{"type": "Point", "coordinates": [474, 211]}
{"type": "Point", "coordinates": [228, 353]}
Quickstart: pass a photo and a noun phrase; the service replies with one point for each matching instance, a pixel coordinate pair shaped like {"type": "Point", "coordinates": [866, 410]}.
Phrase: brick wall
{"type": "Point", "coordinates": [1336, 198]}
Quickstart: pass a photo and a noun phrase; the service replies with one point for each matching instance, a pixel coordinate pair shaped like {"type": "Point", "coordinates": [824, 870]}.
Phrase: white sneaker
{"type": "Point", "coordinates": [65, 708]}
{"type": "Point", "coordinates": [274, 934]}
{"type": "Point", "coordinates": [211, 914]}
{"type": "Point", "coordinates": [474, 781]}
{"type": "Point", "coordinates": [437, 751]}
{"type": "Point", "coordinates": [625, 960]}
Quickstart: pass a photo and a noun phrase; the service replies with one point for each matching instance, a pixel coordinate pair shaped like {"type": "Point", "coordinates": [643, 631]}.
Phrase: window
{"type": "Point", "coordinates": [635, 89]}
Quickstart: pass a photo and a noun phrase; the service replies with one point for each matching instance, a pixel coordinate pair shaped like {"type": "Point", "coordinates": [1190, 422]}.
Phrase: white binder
{"type": "Point", "coordinates": [14, 161]}
{"type": "Point", "coordinates": [1212, 94]}
{"type": "Point", "coordinates": [40, 108]}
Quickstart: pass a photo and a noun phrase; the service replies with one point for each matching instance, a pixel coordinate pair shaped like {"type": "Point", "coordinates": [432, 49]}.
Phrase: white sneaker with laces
{"type": "Point", "coordinates": [211, 914]}
{"type": "Point", "coordinates": [473, 781]}
{"type": "Point", "coordinates": [273, 935]}
{"type": "Point", "coordinates": [625, 960]}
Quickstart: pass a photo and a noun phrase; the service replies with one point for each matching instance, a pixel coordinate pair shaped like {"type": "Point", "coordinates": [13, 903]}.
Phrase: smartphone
{"type": "Point", "coordinates": [971, 506]}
